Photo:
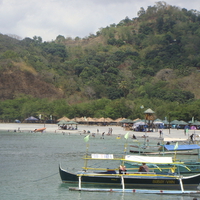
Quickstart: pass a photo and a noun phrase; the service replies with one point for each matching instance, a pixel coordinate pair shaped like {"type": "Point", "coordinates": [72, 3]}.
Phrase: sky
{"type": "Point", "coordinates": [71, 18]}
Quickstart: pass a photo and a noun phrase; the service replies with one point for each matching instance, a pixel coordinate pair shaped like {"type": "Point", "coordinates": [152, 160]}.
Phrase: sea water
{"type": "Point", "coordinates": [29, 166]}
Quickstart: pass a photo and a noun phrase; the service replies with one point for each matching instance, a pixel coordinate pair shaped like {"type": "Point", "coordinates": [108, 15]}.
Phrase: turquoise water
{"type": "Point", "coordinates": [29, 166]}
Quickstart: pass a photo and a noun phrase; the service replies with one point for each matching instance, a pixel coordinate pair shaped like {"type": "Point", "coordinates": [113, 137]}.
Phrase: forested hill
{"type": "Point", "coordinates": [153, 56]}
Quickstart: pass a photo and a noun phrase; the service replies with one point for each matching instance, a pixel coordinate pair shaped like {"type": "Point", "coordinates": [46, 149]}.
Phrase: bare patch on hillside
{"type": "Point", "coordinates": [15, 83]}
{"type": "Point", "coordinates": [165, 74]}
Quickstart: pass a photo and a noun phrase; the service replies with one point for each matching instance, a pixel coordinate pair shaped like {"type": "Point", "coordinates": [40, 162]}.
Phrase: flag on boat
{"type": "Point", "coordinates": [86, 138]}
{"type": "Point", "coordinates": [176, 146]}
{"type": "Point", "coordinates": [126, 136]}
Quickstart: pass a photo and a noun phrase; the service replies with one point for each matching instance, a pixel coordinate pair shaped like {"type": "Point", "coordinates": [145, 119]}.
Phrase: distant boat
{"type": "Point", "coordinates": [40, 130]}
{"type": "Point", "coordinates": [186, 149]}
{"type": "Point", "coordinates": [17, 121]}
{"type": "Point", "coordinates": [193, 165]}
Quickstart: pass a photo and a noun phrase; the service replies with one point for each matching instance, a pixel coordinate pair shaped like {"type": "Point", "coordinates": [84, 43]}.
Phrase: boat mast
{"type": "Point", "coordinates": [86, 139]}
{"type": "Point", "coordinates": [125, 146]}
{"type": "Point", "coordinates": [86, 156]}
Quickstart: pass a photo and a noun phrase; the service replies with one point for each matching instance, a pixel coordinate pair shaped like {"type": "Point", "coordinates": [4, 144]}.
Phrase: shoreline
{"type": "Point", "coordinates": [98, 130]}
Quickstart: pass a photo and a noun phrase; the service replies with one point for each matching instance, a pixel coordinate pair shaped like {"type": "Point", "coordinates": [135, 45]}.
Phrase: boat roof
{"type": "Point", "coordinates": [174, 139]}
{"type": "Point", "coordinates": [182, 147]}
{"type": "Point", "coordinates": [149, 159]}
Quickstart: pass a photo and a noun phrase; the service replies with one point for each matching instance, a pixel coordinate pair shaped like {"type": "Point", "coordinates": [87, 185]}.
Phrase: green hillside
{"type": "Point", "coordinates": [152, 60]}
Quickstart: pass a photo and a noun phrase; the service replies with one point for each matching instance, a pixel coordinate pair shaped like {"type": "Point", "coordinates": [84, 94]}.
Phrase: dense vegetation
{"type": "Point", "coordinates": [152, 60]}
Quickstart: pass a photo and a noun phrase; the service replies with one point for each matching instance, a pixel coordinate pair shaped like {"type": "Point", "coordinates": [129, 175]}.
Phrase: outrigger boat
{"type": "Point", "coordinates": [137, 180]}
{"type": "Point", "coordinates": [192, 164]}
{"type": "Point", "coordinates": [146, 149]}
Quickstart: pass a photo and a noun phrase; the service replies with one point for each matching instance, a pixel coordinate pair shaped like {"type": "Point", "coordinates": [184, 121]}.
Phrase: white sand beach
{"type": "Point", "coordinates": [116, 130]}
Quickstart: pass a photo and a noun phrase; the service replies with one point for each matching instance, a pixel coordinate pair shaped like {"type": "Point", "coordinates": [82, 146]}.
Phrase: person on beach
{"type": "Point", "coordinates": [111, 130]}
{"type": "Point", "coordinates": [143, 168]}
{"type": "Point", "coordinates": [134, 137]}
{"type": "Point", "coordinates": [161, 133]}
{"type": "Point", "coordinates": [103, 135]}
{"type": "Point", "coordinates": [185, 131]}
{"type": "Point", "coordinates": [192, 138]}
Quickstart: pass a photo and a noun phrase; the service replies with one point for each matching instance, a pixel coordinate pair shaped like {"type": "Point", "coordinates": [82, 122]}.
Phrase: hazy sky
{"type": "Point", "coordinates": [71, 18]}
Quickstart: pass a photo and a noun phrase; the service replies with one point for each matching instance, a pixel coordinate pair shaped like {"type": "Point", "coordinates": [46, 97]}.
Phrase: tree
{"type": "Point", "coordinates": [60, 39]}
{"type": "Point", "coordinates": [37, 40]}
{"type": "Point", "coordinates": [141, 12]}
{"type": "Point", "coordinates": [159, 24]}
{"type": "Point", "coordinates": [55, 49]}
{"type": "Point", "coordinates": [114, 93]}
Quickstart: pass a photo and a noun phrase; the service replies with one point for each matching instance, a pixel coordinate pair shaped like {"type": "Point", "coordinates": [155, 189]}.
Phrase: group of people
{"type": "Point", "coordinates": [142, 168]}
{"type": "Point", "coordinates": [65, 127]}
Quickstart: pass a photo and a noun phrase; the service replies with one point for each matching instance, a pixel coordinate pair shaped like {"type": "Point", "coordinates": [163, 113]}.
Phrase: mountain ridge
{"type": "Point", "coordinates": [119, 61]}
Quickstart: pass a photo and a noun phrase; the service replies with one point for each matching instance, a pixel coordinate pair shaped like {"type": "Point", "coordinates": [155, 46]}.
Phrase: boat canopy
{"type": "Point", "coordinates": [146, 159]}
{"type": "Point", "coordinates": [182, 147]}
{"type": "Point", "coordinates": [174, 139]}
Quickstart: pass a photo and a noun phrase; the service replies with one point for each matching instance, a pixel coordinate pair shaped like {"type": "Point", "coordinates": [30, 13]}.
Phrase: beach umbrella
{"type": "Point", "coordinates": [158, 121]}
{"type": "Point", "coordinates": [89, 119]}
{"type": "Point", "coordinates": [136, 120]}
{"type": "Point", "coordinates": [62, 122]}
{"type": "Point", "coordinates": [149, 111]}
{"type": "Point", "coordinates": [192, 121]}
{"type": "Point", "coordinates": [165, 122]}
{"type": "Point", "coordinates": [31, 118]}
{"type": "Point", "coordinates": [182, 122]}
{"type": "Point", "coordinates": [126, 121]}
{"type": "Point", "coordinates": [64, 118]}
{"type": "Point", "coordinates": [108, 119]}
{"type": "Point", "coordinates": [74, 119]}
{"type": "Point", "coordinates": [175, 122]}
{"type": "Point", "coordinates": [196, 123]}
{"type": "Point", "coordinates": [72, 122]}
{"type": "Point", "coordinates": [96, 119]}
{"type": "Point", "coordinates": [102, 119]}
{"type": "Point", "coordinates": [139, 123]}
{"type": "Point", "coordinates": [79, 119]}
{"type": "Point", "coordinates": [119, 119]}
